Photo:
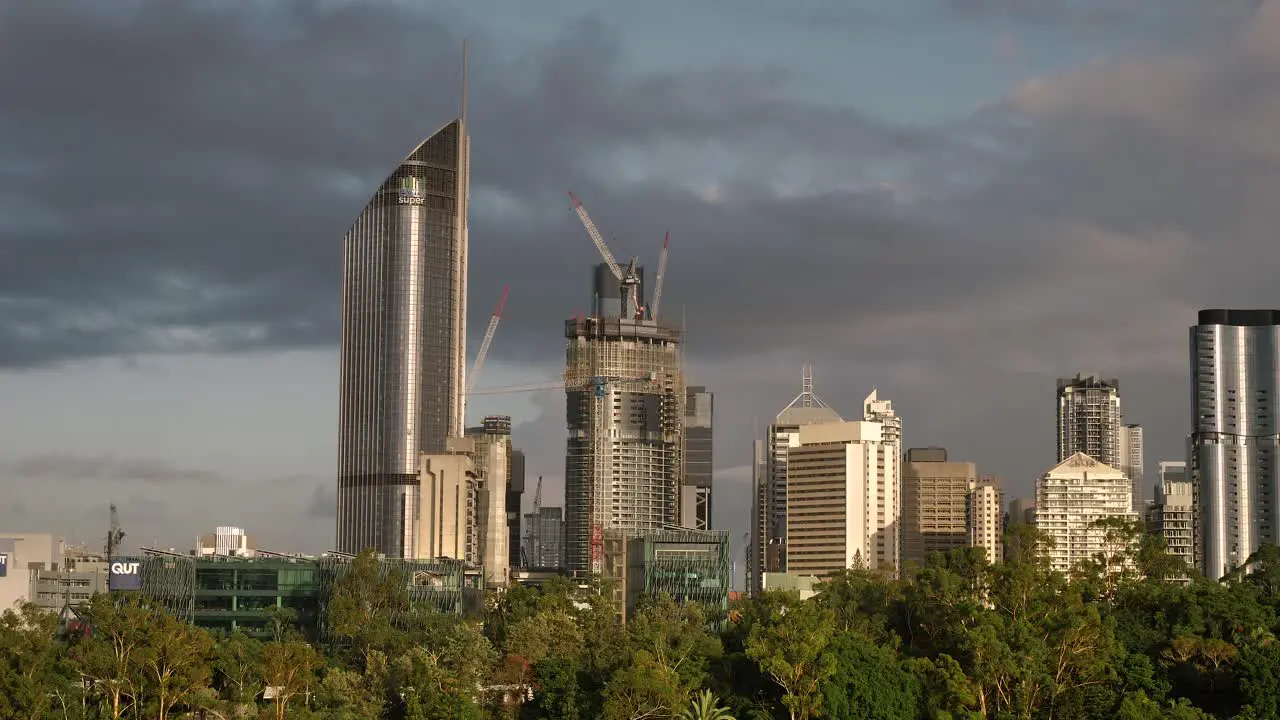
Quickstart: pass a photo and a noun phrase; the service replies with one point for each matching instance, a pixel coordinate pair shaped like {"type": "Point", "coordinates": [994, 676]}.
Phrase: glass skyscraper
{"type": "Point", "coordinates": [404, 289]}
{"type": "Point", "coordinates": [1233, 446]}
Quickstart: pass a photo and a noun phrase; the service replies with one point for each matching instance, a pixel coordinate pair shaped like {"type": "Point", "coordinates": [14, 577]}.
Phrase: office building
{"type": "Point", "coordinates": [695, 500]}
{"type": "Point", "coordinates": [935, 504]}
{"type": "Point", "coordinates": [491, 463]}
{"type": "Point", "coordinates": [683, 564]}
{"type": "Point", "coordinates": [767, 549]}
{"type": "Point", "coordinates": [1132, 462]}
{"type": "Point", "coordinates": [625, 397]}
{"type": "Point", "coordinates": [403, 341]}
{"type": "Point", "coordinates": [233, 594]}
{"type": "Point", "coordinates": [515, 498]}
{"type": "Point", "coordinates": [1089, 419]}
{"type": "Point", "coordinates": [841, 509]}
{"type": "Point", "coordinates": [947, 506]}
{"type": "Point", "coordinates": [1172, 515]}
{"type": "Point", "coordinates": [225, 540]}
{"type": "Point", "coordinates": [446, 527]}
{"type": "Point", "coordinates": [1233, 446]}
{"type": "Point", "coordinates": [545, 539]}
{"type": "Point", "coordinates": [19, 554]}
{"type": "Point", "coordinates": [1071, 498]}
{"type": "Point", "coordinates": [1022, 511]}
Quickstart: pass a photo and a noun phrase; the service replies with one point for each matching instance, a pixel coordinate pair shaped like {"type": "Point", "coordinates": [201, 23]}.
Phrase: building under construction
{"type": "Point", "coordinates": [625, 394]}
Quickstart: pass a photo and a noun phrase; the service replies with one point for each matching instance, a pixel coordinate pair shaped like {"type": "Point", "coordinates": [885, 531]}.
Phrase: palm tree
{"type": "Point", "coordinates": [705, 706]}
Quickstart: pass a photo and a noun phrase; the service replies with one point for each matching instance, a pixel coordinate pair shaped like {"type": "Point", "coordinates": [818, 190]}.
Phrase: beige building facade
{"type": "Point", "coordinates": [842, 506]}
{"type": "Point", "coordinates": [947, 505]}
{"type": "Point", "coordinates": [1071, 498]}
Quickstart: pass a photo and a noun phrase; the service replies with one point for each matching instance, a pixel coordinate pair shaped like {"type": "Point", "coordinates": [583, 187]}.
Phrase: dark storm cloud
{"type": "Point", "coordinates": [1102, 13]}
{"type": "Point", "coordinates": [180, 175]}
{"type": "Point", "coordinates": [76, 468]}
{"type": "Point", "coordinates": [324, 501]}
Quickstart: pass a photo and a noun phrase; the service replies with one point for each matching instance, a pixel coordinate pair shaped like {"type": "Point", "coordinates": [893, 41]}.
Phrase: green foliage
{"type": "Point", "coordinates": [1128, 635]}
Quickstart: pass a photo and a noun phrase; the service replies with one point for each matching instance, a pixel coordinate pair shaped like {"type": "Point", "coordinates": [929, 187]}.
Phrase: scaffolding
{"type": "Point", "coordinates": [625, 390]}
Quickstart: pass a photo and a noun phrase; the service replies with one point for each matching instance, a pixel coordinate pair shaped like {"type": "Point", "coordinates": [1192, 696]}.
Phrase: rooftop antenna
{"type": "Point", "coordinates": [807, 397]}
{"type": "Point", "coordinates": [464, 81]}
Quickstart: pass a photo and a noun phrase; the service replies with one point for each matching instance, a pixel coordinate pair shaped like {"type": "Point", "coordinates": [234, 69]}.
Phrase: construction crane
{"type": "Point", "coordinates": [662, 273]}
{"type": "Point", "coordinates": [629, 280]}
{"type": "Point", "coordinates": [530, 540]}
{"type": "Point", "coordinates": [115, 534]}
{"type": "Point", "coordinates": [488, 340]}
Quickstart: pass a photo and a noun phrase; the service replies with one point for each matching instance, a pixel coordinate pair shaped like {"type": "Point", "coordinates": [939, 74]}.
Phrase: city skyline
{"type": "Point", "coordinates": [170, 340]}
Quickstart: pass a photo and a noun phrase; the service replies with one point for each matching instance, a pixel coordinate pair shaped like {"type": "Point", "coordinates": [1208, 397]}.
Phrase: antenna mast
{"type": "Point", "coordinates": [464, 81]}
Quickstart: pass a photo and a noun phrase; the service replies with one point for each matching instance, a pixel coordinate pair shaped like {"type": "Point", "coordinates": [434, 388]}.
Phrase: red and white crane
{"type": "Point", "coordinates": [488, 340]}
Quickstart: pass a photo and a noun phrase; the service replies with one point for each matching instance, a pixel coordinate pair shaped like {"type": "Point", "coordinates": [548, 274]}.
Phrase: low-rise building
{"type": "Point", "coordinates": [688, 565]}
{"type": "Point", "coordinates": [226, 593]}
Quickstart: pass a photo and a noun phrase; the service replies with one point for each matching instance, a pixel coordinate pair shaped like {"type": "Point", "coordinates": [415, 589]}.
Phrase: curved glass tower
{"type": "Point", "coordinates": [1235, 435]}
{"type": "Point", "coordinates": [404, 290]}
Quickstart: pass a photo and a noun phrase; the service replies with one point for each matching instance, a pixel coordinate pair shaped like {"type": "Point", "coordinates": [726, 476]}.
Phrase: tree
{"type": "Point", "coordinates": [366, 604]}
{"type": "Point", "coordinates": [288, 669]}
{"type": "Point", "coordinates": [175, 661]}
{"type": "Point", "coordinates": [109, 656]}
{"type": "Point", "coordinates": [33, 673]}
{"type": "Point", "coordinates": [235, 665]}
{"type": "Point", "coordinates": [705, 706]}
{"type": "Point", "coordinates": [868, 681]}
{"type": "Point", "coordinates": [790, 649]}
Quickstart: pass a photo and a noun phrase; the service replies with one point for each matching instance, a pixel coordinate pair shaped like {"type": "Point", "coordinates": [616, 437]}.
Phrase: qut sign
{"type": "Point", "coordinates": [4, 564]}
{"type": "Point", "coordinates": [125, 575]}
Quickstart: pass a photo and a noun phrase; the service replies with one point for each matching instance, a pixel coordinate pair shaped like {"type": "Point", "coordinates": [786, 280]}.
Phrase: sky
{"type": "Point", "coordinates": [954, 202]}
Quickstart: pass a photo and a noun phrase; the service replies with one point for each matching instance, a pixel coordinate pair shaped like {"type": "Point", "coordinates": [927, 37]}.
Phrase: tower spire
{"type": "Point", "coordinates": [464, 81]}
{"type": "Point", "coordinates": [807, 397]}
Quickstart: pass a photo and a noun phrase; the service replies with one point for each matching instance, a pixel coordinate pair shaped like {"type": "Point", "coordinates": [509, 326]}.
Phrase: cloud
{"type": "Point", "coordinates": [76, 468]}
{"type": "Point", "coordinates": [1101, 14]}
{"type": "Point", "coordinates": [163, 201]}
{"type": "Point", "coordinates": [178, 202]}
{"type": "Point", "coordinates": [324, 501]}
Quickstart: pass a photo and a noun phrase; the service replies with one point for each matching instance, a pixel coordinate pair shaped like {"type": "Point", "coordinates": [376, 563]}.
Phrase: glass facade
{"type": "Point", "coordinates": [1233, 447]}
{"type": "Point", "coordinates": [699, 416]}
{"type": "Point", "coordinates": [403, 341]}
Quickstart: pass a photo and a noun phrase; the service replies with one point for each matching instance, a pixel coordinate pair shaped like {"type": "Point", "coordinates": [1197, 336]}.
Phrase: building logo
{"type": "Point", "coordinates": [125, 576]}
{"type": "Point", "coordinates": [411, 192]}
{"type": "Point", "coordinates": [4, 564]}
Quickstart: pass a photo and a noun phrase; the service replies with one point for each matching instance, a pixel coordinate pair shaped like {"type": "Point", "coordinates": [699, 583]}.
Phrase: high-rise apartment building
{"type": "Point", "coordinates": [1132, 462]}
{"type": "Point", "coordinates": [491, 463]}
{"type": "Point", "coordinates": [625, 397]}
{"type": "Point", "coordinates": [404, 308]}
{"type": "Point", "coordinates": [889, 494]}
{"type": "Point", "coordinates": [1089, 419]}
{"type": "Point", "coordinates": [767, 549]}
{"type": "Point", "coordinates": [1071, 498]}
{"type": "Point", "coordinates": [986, 517]}
{"type": "Point", "coordinates": [841, 509]}
{"type": "Point", "coordinates": [946, 506]}
{"type": "Point", "coordinates": [1233, 446]}
{"type": "Point", "coordinates": [695, 500]}
{"type": "Point", "coordinates": [1172, 515]}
